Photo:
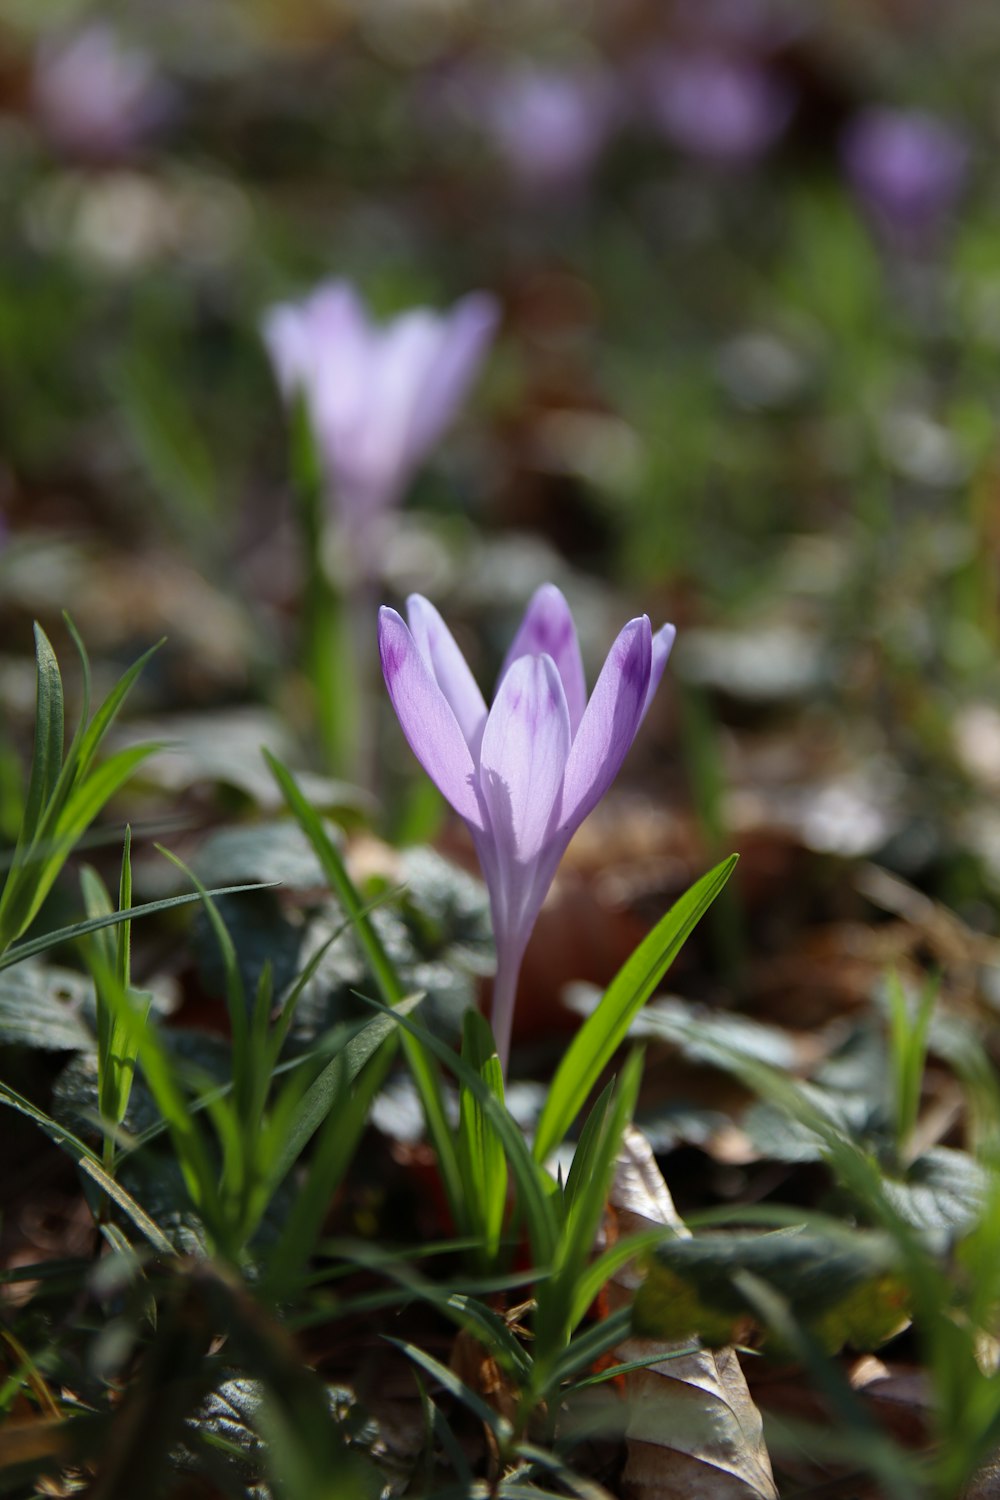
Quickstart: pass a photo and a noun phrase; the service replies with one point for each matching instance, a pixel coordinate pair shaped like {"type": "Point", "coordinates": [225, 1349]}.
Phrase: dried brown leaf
{"type": "Point", "coordinates": [693, 1431]}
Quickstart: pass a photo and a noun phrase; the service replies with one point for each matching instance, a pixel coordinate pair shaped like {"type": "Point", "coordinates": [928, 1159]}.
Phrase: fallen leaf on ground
{"type": "Point", "coordinates": [693, 1431]}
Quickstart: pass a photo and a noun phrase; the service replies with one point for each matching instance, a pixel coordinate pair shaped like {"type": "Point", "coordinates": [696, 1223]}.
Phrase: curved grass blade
{"type": "Point", "coordinates": [31, 949]}
{"type": "Point", "coordinates": [603, 1031]}
{"type": "Point", "coordinates": [422, 1066]}
{"type": "Point", "coordinates": [88, 1162]}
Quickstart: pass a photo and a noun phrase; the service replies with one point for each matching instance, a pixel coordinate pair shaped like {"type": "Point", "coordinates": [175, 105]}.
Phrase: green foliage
{"type": "Point", "coordinates": [603, 1031]}
{"type": "Point", "coordinates": [65, 791]}
{"type": "Point", "coordinates": [110, 953]}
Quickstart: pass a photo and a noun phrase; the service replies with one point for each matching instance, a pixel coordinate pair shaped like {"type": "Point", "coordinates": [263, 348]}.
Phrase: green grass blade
{"type": "Point", "coordinates": [236, 1000]}
{"type": "Point", "coordinates": [491, 1330]}
{"type": "Point", "coordinates": [535, 1187]}
{"type": "Point", "coordinates": [327, 1092]}
{"type": "Point", "coordinates": [603, 1031]}
{"type": "Point", "coordinates": [586, 1197]}
{"type": "Point", "coordinates": [498, 1425]}
{"type": "Point", "coordinates": [105, 716]}
{"type": "Point", "coordinates": [587, 1347]}
{"type": "Point", "coordinates": [88, 1163]}
{"type": "Point", "coordinates": [45, 766]}
{"type": "Point", "coordinates": [425, 1075]}
{"type": "Point", "coordinates": [338, 1140]}
{"type": "Point", "coordinates": [480, 1150]}
{"type": "Point", "coordinates": [594, 1278]}
{"type": "Point", "coordinates": [49, 731]}
{"type": "Point", "coordinates": [161, 1077]}
{"type": "Point", "coordinates": [62, 827]}
{"type": "Point", "coordinates": [76, 930]}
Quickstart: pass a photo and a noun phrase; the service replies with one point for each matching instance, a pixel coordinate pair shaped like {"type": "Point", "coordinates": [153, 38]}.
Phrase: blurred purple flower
{"type": "Point", "coordinates": [525, 773]}
{"type": "Point", "coordinates": [379, 397]}
{"type": "Point", "coordinates": [709, 104]}
{"type": "Point", "coordinates": [96, 97]}
{"type": "Point", "coordinates": [909, 169]}
{"type": "Point", "coordinates": [549, 125]}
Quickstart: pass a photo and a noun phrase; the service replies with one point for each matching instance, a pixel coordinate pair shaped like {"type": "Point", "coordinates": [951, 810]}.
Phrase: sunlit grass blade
{"type": "Point", "coordinates": [193, 1154]}
{"type": "Point", "coordinates": [335, 1147]}
{"type": "Point", "coordinates": [909, 1028]}
{"type": "Point", "coordinates": [326, 1092]}
{"type": "Point", "coordinates": [49, 731]}
{"type": "Point", "coordinates": [236, 1002]}
{"type": "Point", "coordinates": [599, 1272]}
{"type": "Point", "coordinates": [584, 1350]}
{"type": "Point", "coordinates": [108, 951]}
{"type": "Point", "coordinates": [535, 1187]}
{"type": "Point", "coordinates": [586, 1199]}
{"type": "Point", "coordinates": [481, 1154]}
{"type": "Point", "coordinates": [449, 1381]}
{"type": "Point", "coordinates": [421, 1063]}
{"type": "Point", "coordinates": [492, 1331]}
{"type": "Point", "coordinates": [604, 1030]}
{"type": "Point", "coordinates": [64, 793]}
{"type": "Point", "coordinates": [35, 946]}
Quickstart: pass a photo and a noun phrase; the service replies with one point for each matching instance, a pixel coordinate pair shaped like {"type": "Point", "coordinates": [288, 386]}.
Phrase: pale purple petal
{"type": "Point", "coordinates": [464, 335]}
{"type": "Point", "coordinates": [440, 651]}
{"type": "Point", "coordinates": [405, 355]}
{"type": "Point", "coordinates": [663, 642]}
{"type": "Point", "coordinates": [523, 759]}
{"type": "Point", "coordinates": [610, 722]}
{"type": "Point", "coordinates": [548, 628]}
{"type": "Point", "coordinates": [288, 344]}
{"type": "Point", "coordinates": [426, 717]}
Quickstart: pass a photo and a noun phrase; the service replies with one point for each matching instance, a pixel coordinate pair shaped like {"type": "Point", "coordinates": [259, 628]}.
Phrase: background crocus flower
{"type": "Point", "coordinates": [909, 169]}
{"type": "Point", "coordinates": [96, 97]}
{"type": "Point", "coordinates": [549, 124]}
{"type": "Point", "coordinates": [721, 108]}
{"type": "Point", "coordinates": [379, 396]}
{"type": "Point", "coordinates": [524, 773]}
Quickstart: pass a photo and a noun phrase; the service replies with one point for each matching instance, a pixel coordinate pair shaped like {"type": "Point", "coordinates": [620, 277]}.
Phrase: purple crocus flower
{"type": "Point", "coordinates": [95, 97]}
{"type": "Point", "coordinates": [524, 773]}
{"type": "Point", "coordinates": [549, 124]}
{"type": "Point", "coordinates": [909, 169]}
{"type": "Point", "coordinates": [379, 397]}
{"type": "Point", "coordinates": [721, 108]}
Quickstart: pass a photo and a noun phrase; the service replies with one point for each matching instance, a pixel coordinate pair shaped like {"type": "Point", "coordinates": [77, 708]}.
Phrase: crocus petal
{"type": "Point", "coordinates": [287, 342]}
{"type": "Point", "coordinates": [548, 628]}
{"type": "Point", "coordinates": [609, 724]}
{"type": "Point", "coordinates": [663, 642]}
{"type": "Point", "coordinates": [523, 759]}
{"type": "Point", "coordinates": [465, 334]}
{"type": "Point", "coordinates": [427, 718]}
{"type": "Point", "coordinates": [441, 652]}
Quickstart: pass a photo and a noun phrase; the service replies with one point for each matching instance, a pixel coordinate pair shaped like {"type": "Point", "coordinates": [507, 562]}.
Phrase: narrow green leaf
{"type": "Point", "coordinates": [109, 710]}
{"type": "Point", "coordinates": [329, 1091]}
{"type": "Point", "coordinates": [535, 1186]}
{"type": "Point", "coordinates": [338, 1140]}
{"type": "Point", "coordinates": [421, 1065]}
{"type": "Point", "coordinates": [498, 1425]}
{"type": "Point", "coordinates": [49, 731]}
{"type": "Point", "coordinates": [594, 1278]}
{"type": "Point", "coordinates": [604, 1030]}
{"type": "Point", "coordinates": [590, 1346]}
{"type": "Point", "coordinates": [31, 949]}
{"type": "Point", "coordinates": [88, 1162]}
{"type": "Point", "coordinates": [481, 1154]}
{"type": "Point", "coordinates": [586, 1197]}
{"type": "Point", "coordinates": [492, 1331]}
